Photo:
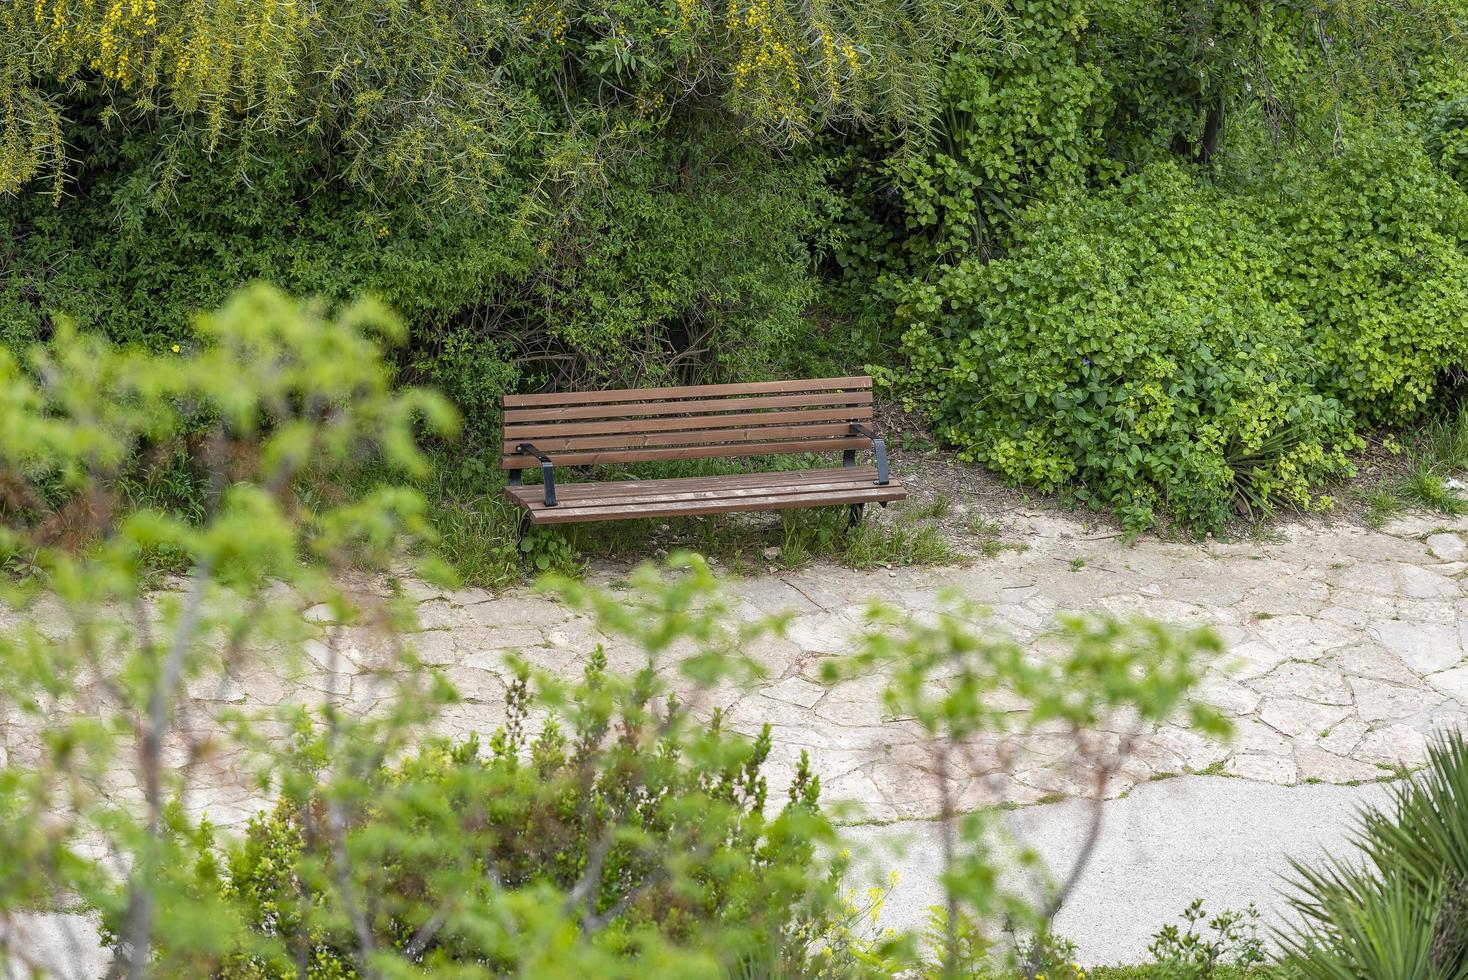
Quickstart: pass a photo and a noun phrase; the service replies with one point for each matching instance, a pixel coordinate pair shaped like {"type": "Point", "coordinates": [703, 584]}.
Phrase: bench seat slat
{"type": "Point", "coordinates": [643, 489]}
{"type": "Point", "coordinates": [875, 495]}
{"type": "Point", "coordinates": [780, 481]}
{"type": "Point", "coordinates": [698, 496]}
{"type": "Point", "coordinates": [711, 405]}
{"type": "Point", "coordinates": [614, 501]}
{"type": "Point", "coordinates": [691, 391]}
{"type": "Point", "coordinates": [521, 431]}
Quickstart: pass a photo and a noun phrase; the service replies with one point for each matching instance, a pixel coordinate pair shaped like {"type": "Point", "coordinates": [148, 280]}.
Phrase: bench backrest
{"type": "Point", "coordinates": [587, 428]}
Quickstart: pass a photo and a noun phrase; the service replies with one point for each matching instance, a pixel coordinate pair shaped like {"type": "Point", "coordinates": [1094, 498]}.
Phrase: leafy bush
{"type": "Point", "coordinates": [1129, 348]}
{"type": "Point", "coordinates": [619, 829]}
{"type": "Point", "coordinates": [1176, 348]}
{"type": "Point", "coordinates": [1374, 257]}
{"type": "Point", "coordinates": [694, 265]}
{"type": "Point", "coordinates": [1398, 907]}
{"type": "Point", "coordinates": [1015, 125]}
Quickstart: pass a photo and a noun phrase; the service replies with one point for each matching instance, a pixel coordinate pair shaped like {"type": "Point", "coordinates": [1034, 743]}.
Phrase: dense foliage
{"type": "Point", "coordinates": [558, 194]}
{"type": "Point", "coordinates": [547, 192]}
{"type": "Point", "coordinates": [1170, 347]}
{"type": "Point", "coordinates": [618, 828]}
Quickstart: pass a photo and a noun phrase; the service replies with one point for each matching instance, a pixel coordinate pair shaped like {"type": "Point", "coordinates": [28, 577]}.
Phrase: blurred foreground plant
{"type": "Point", "coordinates": [268, 404]}
{"type": "Point", "coordinates": [1091, 691]}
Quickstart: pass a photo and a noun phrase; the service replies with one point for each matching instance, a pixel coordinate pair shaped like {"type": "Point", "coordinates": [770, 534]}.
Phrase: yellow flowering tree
{"type": "Point", "coordinates": [442, 97]}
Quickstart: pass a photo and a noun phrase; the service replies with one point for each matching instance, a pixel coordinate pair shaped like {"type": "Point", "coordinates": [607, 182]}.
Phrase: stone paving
{"type": "Point", "coordinates": [1346, 648]}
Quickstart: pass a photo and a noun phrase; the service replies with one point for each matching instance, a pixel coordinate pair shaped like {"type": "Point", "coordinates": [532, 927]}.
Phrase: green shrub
{"type": "Point", "coordinates": [618, 821]}
{"type": "Point", "coordinates": [1374, 257]}
{"type": "Point", "coordinates": [695, 265]}
{"type": "Point", "coordinates": [1399, 907]}
{"type": "Point", "coordinates": [1210, 946]}
{"type": "Point", "coordinates": [1016, 124]}
{"type": "Point", "coordinates": [1177, 348]}
{"type": "Point", "coordinates": [1129, 348]}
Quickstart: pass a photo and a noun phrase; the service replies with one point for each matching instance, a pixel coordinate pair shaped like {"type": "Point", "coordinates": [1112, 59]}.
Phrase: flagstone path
{"type": "Point", "coordinates": [1345, 649]}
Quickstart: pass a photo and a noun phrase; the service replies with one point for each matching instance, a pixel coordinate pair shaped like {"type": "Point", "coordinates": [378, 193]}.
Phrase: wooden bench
{"type": "Point", "coordinates": [597, 428]}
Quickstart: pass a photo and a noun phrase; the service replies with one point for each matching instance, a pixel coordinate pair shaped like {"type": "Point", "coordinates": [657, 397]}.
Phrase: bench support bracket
{"type": "Point", "coordinates": [547, 470]}
{"type": "Point", "coordinates": [880, 445]}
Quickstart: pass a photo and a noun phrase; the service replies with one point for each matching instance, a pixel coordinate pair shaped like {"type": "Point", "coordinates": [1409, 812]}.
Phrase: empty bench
{"type": "Point", "coordinates": [554, 432]}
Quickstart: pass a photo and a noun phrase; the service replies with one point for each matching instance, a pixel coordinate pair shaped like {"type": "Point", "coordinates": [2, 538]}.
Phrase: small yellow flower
{"type": "Point", "coordinates": [176, 348]}
{"type": "Point", "coordinates": [382, 232]}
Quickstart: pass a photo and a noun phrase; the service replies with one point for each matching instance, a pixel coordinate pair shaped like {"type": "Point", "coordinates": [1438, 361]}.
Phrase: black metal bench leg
{"type": "Point", "coordinates": [855, 518]}
{"type": "Point", "coordinates": [523, 529]}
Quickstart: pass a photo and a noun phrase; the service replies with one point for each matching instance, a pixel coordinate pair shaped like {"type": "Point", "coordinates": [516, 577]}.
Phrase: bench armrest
{"type": "Point", "coordinates": [880, 445]}
{"type": "Point", "coordinates": [547, 470]}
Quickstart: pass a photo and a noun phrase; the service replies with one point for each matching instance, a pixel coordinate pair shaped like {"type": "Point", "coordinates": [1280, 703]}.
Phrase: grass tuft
{"type": "Point", "coordinates": [1437, 454]}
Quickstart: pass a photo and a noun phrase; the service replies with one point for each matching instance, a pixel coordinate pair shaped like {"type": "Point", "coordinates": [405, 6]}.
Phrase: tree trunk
{"type": "Point", "coordinates": [1212, 134]}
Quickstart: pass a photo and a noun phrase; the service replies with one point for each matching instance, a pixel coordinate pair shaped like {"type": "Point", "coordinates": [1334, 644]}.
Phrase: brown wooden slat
{"type": "Point", "coordinates": [673, 490]}
{"type": "Point", "coordinates": [603, 457]}
{"type": "Point", "coordinates": [772, 480]}
{"type": "Point", "coordinates": [558, 515]}
{"type": "Point", "coordinates": [693, 437]}
{"type": "Point", "coordinates": [530, 430]}
{"type": "Point", "coordinates": [641, 409]}
{"type": "Point", "coordinates": [667, 484]}
{"type": "Point", "coordinates": [691, 391]}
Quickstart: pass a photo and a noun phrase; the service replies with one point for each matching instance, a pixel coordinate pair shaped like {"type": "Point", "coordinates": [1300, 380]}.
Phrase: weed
{"type": "Point", "coordinates": [1261, 533]}
{"type": "Point", "coordinates": [913, 442]}
{"type": "Point", "coordinates": [1428, 489]}
{"type": "Point", "coordinates": [1444, 441]}
{"type": "Point", "coordinates": [1230, 938]}
{"type": "Point", "coordinates": [870, 545]}
{"type": "Point", "coordinates": [1439, 451]}
{"type": "Point", "coordinates": [990, 544]}
{"type": "Point", "coordinates": [934, 510]}
{"type": "Point", "coordinates": [1381, 506]}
